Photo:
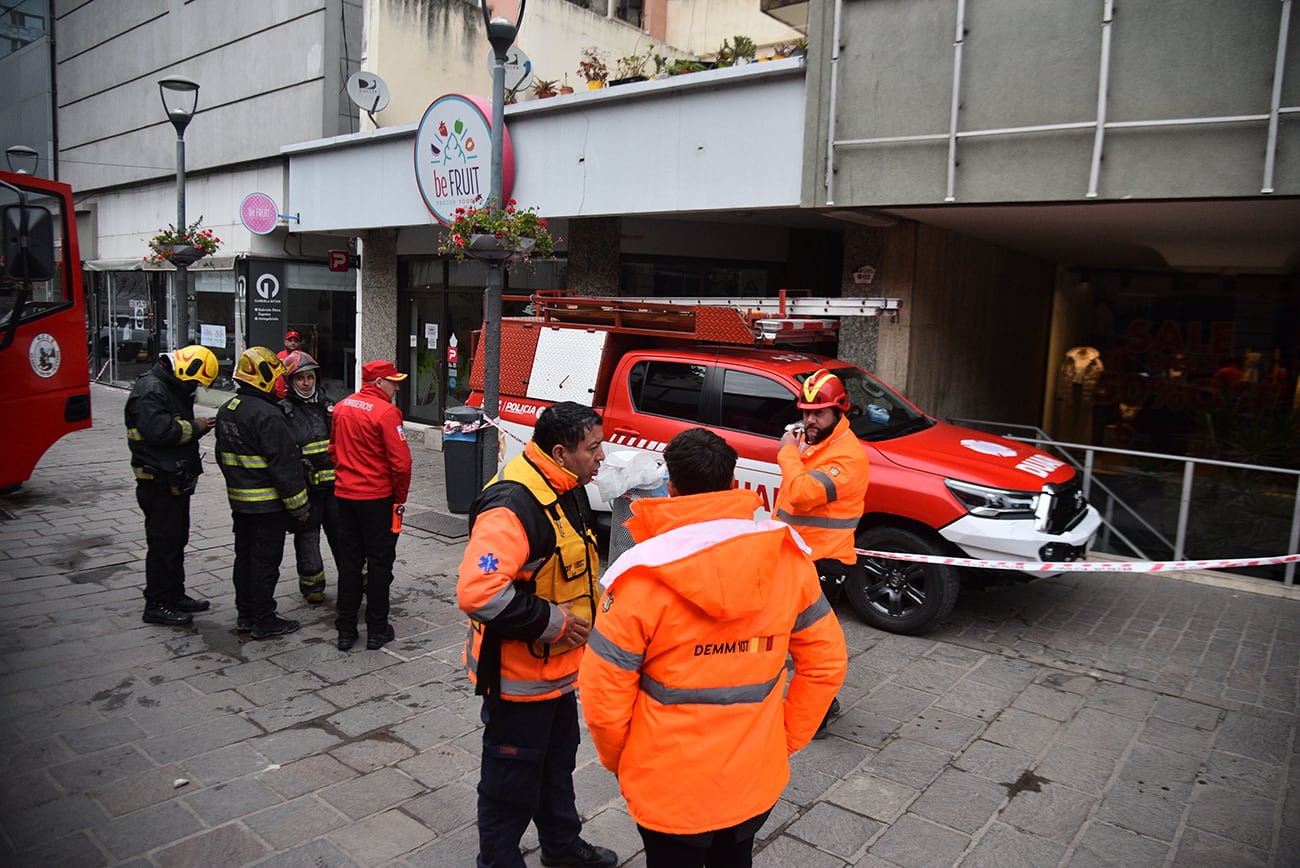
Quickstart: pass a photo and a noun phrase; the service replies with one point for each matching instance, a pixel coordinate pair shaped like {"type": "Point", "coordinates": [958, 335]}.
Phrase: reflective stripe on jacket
{"type": "Point", "coordinates": [160, 427]}
{"type": "Point", "coordinates": [683, 683]}
{"type": "Point", "coordinates": [258, 457]}
{"type": "Point", "coordinates": [822, 492]}
{"type": "Point", "coordinates": [530, 548]}
{"type": "Point", "coordinates": [310, 423]}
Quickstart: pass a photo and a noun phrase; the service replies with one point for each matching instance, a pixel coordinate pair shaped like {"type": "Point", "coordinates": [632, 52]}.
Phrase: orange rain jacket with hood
{"type": "Point", "coordinates": [822, 491]}
{"type": "Point", "coordinates": [683, 685]}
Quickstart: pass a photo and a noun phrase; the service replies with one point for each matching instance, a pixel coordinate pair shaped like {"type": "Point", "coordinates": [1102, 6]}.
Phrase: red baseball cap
{"type": "Point", "coordinates": [380, 370]}
{"type": "Point", "coordinates": [292, 333]}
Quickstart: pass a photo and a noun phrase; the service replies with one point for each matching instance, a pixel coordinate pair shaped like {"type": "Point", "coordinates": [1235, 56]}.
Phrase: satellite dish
{"type": "Point", "coordinates": [369, 92]}
{"type": "Point", "coordinates": [519, 69]}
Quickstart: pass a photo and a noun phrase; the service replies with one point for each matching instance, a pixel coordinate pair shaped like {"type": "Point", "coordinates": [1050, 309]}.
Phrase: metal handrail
{"type": "Point", "coordinates": [1189, 463]}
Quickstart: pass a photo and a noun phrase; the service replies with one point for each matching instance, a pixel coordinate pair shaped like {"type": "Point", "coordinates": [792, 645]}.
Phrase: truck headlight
{"type": "Point", "coordinates": [997, 502]}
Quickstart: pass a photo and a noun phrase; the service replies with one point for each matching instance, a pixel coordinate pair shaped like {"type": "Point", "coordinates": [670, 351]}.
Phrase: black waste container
{"type": "Point", "coordinates": [462, 455]}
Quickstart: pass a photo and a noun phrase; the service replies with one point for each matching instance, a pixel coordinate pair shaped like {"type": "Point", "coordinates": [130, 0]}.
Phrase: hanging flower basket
{"type": "Point", "coordinates": [493, 249]}
{"type": "Point", "coordinates": [184, 254]}
{"type": "Point", "coordinates": [182, 247]}
{"type": "Point", "coordinates": [495, 234]}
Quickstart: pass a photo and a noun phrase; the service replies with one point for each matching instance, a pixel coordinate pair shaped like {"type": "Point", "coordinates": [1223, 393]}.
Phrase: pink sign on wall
{"type": "Point", "coordinates": [259, 213]}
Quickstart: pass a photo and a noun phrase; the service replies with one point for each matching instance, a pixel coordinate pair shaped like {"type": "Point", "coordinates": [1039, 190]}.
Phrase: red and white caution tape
{"type": "Point", "coordinates": [1085, 566]}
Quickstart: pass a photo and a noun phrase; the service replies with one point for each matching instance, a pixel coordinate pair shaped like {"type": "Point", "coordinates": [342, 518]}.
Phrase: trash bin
{"type": "Point", "coordinates": [620, 538]}
{"type": "Point", "coordinates": [462, 455]}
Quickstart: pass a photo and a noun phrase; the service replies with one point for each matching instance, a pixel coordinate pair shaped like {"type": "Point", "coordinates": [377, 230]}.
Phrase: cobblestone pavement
{"type": "Point", "coordinates": [1090, 719]}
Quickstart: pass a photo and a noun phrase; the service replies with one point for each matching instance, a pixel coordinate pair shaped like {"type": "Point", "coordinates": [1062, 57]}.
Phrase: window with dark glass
{"type": "Point", "coordinates": [667, 389]}
{"type": "Point", "coordinates": [757, 404]}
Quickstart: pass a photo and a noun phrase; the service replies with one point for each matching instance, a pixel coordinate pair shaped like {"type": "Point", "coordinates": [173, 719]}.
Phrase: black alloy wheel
{"type": "Point", "coordinates": [902, 596]}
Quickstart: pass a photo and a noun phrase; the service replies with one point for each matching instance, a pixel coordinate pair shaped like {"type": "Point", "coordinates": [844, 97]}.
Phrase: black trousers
{"type": "Point", "coordinates": [306, 541]}
{"type": "Point", "coordinates": [529, 753]}
{"type": "Point", "coordinates": [732, 847]}
{"type": "Point", "coordinates": [365, 540]}
{"type": "Point", "coordinates": [166, 533]}
{"type": "Point", "coordinates": [259, 548]}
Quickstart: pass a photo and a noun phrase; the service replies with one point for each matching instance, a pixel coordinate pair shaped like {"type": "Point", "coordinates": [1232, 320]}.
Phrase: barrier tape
{"type": "Point", "coordinates": [1085, 566]}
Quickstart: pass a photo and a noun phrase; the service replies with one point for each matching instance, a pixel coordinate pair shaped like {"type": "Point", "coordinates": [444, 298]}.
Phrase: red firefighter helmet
{"type": "Point", "coordinates": [822, 389]}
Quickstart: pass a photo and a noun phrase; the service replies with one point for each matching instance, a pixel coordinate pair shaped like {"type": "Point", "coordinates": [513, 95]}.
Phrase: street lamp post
{"type": "Point", "coordinates": [180, 97]}
{"type": "Point", "coordinates": [501, 35]}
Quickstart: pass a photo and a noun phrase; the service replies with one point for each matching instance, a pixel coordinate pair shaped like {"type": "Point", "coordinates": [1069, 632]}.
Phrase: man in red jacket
{"type": "Point", "coordinates": [372, 474]}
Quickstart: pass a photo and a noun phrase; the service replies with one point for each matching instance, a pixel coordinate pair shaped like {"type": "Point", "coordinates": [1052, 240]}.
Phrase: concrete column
{"type": "Point", "coordinates": [878, 344]}
{"type": "Point", "coordinates": [594, 255]}
{"type": "Point", "coordinates": [377, 335]}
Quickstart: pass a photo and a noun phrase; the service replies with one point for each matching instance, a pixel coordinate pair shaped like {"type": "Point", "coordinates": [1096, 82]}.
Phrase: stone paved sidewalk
{"type": "Point", "coordinates": [1089, 719]}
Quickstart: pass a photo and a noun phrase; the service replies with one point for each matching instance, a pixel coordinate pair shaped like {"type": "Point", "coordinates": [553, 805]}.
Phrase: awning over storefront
{"type": "Point", "coordinates": [210, 263]}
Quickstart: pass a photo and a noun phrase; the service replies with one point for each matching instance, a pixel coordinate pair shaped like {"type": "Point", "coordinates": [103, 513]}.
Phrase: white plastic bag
{"type": "Point", "coordinates": [623, 471]}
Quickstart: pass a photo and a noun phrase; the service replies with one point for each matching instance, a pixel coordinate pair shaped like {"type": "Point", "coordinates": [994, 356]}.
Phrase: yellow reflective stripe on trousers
{"type": "Point", "coordinates": [141, 473]}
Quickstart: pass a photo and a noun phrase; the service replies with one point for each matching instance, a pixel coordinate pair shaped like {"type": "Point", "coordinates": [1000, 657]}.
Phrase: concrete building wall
{"type": "Point", "coordinates": [27, 109]}
{"type": "Point", "coordinates": [426, 48]}
{"type": "Point", "coordinates": [268, 75]}
{"type": "Point", "coordinates": [699, 27]}
{"type": "Point", "coordinates": [1027, 63]}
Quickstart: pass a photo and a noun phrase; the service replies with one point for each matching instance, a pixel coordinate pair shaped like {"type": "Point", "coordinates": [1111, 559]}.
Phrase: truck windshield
{"type": "Point", "coordinates": [880, 413]}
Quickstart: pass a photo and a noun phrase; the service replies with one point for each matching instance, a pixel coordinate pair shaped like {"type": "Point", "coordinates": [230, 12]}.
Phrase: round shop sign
{"type": "Point", "coordinates": [259, 214]}
{"type": "Point", "coordinates": [453, 156]}
{"type": "Point", "coordinates": [44, 356]}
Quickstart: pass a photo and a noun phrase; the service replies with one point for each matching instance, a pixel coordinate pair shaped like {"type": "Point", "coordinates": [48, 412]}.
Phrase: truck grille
{"type": "Point", "coordinates": [1068, 506]}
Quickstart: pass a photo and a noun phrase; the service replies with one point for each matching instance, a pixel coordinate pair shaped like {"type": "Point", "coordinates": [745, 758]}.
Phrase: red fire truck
{"type": "Point", "coordinates": [44, 372]}
{"type": "Point", "coordinates": [655, 367]}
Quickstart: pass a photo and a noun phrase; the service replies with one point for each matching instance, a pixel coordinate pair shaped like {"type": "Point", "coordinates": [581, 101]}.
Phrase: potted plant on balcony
{"type": "Point", "coordinates": [184, 247]}
{"type": "Point", "coordinates": [632, 67]}
{"type": "Point", "coordinates": [565, 88]}
{"type": "Point", "coordinates": [543, 88]}
{"type": "Point", "coordinates": [491, 232]}
{"type": "Point", "coordinates": [743, 50]}
{"type": "Point", "coordinates": [592, 67]}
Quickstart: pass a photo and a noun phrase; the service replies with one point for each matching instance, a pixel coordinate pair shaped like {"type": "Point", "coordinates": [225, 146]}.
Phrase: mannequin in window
{"type": "Point", "coordinates": [1075, 385]}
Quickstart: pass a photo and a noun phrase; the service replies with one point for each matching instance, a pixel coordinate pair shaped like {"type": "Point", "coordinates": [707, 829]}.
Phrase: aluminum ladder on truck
{"type": "Point", "coordinates": [786, 317]}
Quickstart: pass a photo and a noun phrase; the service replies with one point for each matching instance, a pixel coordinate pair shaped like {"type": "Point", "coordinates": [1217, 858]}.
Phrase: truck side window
{"type": "Point", "coordinates": [756, 404]}
{"type": "Point", "coordinates": [667, 389]}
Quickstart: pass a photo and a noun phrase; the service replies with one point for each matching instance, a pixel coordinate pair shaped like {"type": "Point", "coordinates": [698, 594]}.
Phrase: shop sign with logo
{"type": "Point", "coordinates": [259, 214]}
{"type": "Point", "coordinates": [265, 295]}
{"type": "Point", "coordinates": [453, 156]}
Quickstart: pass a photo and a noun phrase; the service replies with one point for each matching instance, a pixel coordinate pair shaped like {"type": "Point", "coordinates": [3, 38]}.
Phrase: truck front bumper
{"type": "Point", "coordinates": [989, 539]}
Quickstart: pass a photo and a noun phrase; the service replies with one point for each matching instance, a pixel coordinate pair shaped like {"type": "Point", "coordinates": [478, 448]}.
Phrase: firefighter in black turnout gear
{"type": "Point", "coordinates": [163, 436]}
{"type": "Point", "coordinates": [309, 410]}
{"type": "Point", "coordinates": [266, 488]}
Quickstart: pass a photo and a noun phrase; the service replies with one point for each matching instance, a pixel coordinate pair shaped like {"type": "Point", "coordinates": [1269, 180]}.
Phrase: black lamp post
{"type": "Point", "coordinates": [501, 35]}
{"type": "Point", "coordinates": [180, 97]}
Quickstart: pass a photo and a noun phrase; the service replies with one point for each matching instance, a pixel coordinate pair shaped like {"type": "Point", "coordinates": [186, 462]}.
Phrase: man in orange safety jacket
{"type": "Point", "coordinates": [684, 683]}
{"type": "Point", "coordinates": [824, 474]}
{"type": "Point", "coordinates": [528, 584]}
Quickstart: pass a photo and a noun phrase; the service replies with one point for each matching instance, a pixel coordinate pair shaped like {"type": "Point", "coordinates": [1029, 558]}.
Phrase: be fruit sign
{"type": "Point", "coordinates": [259, 213]}
{"type": "Point", "coordinates": [453, 155]}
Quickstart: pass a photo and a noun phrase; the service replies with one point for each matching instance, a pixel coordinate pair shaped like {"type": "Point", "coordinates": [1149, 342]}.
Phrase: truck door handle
{"type": "Point", "coordinates": [627, 432]}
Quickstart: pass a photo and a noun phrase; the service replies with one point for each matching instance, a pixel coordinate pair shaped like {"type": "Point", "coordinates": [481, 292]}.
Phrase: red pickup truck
{"type": "Point", "coordinates": [935, 488]}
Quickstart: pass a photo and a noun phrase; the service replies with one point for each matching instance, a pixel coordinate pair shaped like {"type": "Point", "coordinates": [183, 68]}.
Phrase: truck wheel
{"type": "Point", "coordinates": [902, 596]}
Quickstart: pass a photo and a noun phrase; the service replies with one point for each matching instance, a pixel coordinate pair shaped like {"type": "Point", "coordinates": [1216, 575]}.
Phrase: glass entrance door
{"type": "Point", "coordinates": [438, 330]}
